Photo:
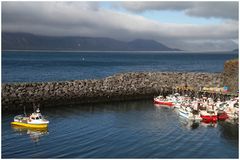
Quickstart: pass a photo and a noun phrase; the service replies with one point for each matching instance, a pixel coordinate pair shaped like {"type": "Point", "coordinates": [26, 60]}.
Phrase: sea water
{"type": "Point", "coordinates": [38, 66]}
{"type": "Point", "coordinates": [132, 129]}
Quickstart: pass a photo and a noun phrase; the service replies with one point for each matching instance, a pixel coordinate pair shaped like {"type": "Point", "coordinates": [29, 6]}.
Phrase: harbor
{"type": "Point", "coordinates": [202, 108]}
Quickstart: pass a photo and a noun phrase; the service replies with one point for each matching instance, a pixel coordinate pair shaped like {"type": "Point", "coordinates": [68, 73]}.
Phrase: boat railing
{"type": "Point", "coordinates": [19, 117]}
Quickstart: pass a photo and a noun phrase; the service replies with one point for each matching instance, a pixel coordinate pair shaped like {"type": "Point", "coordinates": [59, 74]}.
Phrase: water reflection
{"type": "Point", "coordinates": [34, 134]}
{"type": "Point", "coordinates": [229, 130]}
{"type": "Point", "coordinates": [209, 124]}
{"type": "Point", "coordinates": [189, 124]}
{"type": "Point", "coordinates": [162, 106]}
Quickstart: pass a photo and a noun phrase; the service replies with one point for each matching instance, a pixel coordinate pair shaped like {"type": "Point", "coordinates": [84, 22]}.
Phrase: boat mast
{"type": "Point", "coordinates": [34, 107]}
{"type": "Point", "coordinates": [24, 110]}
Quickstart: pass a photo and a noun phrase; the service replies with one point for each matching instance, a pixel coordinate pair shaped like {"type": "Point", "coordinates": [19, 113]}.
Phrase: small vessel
{"type": "Point", "coordinates": [162, 101]}
{"type": "Point", "coordinates": [208, 116]}
{"type": "Point", "coordinates": [176, 99]}
{"type": "Point", "coordinates": [35, 120]}
{"type": "Point", "coordinates": [188, 113]}
{"type": "Point", "coordinates": [222, 115]}
{"type": "Point", "coordinates": [232, 109]}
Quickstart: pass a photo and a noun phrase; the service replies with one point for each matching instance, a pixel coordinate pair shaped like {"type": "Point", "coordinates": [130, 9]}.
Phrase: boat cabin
{"type": "Point", "coordinates": [36, 116]}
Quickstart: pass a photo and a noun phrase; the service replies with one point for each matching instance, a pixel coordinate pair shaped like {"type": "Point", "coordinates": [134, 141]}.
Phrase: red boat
{"type": "Point", "coordinates": [208, 116]}
{"type": "Point", "coordinates": [222, 116]}
{"type": "Point", "coordinates": [161, 101]}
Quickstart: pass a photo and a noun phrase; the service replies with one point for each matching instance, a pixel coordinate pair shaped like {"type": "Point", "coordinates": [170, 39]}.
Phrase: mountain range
{"type": "Point", "coordinates": [27, 41]}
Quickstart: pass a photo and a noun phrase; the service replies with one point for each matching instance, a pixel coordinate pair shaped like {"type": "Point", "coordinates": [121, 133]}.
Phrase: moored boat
{"type": "Point", "coordinates": [222, 115]}
{"type": "Point", "coordinates": [232, 109]}
{"type": "Point", "coordinates": [209, 116]}
{"type": "Point", "coordinates": [161, 101]}
{"type": "Point", "coordinates": [201, 108]}
{"type": "Point", "coordinates": [188, 113]}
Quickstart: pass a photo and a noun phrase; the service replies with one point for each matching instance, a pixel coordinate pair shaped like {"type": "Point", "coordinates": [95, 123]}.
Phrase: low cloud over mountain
{"type": "Point", "coordinates": [96, 19]}
{"type": "Point", "coordinates": [26, 41]}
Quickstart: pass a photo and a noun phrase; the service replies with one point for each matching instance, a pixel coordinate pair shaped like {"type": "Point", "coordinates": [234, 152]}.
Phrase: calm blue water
{"type": "Point", "coordinates": [134, 129]}
{"type": "Point", "coordinates": [57, 66]}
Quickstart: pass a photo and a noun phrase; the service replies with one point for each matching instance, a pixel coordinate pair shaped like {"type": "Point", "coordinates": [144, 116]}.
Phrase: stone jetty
{"type": "Point", "coordinates": [230, 75]}
{"type": "Point", "coordinates": [122, 86]}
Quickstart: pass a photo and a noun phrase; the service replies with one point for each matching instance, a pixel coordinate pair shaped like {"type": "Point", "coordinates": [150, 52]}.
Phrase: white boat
{"type": "Point", "coordinates": [162, 101]}
{"type": "Point", "coordinates": [231, 107]}
{"type": "Point", "coordinates": [187, 112]}
{"type": "Point", "coordinates": [220, 106]}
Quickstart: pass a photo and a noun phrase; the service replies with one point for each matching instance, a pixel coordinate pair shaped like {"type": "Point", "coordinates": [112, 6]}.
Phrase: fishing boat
{"type": "Point", "coordinates": [176, 99]}
{"type": "Point", "coordinates": [232, 109]}
{"type": "Point", "coordinates": [188, 113]}
{"type": "Point", "coordinates": [162, 101]}
{"type": "Point", "coordinates": [222, 115]}
{"type": "Point", "coordinates": [208, 115]}
{"type": "Point", "coordinates": [35, 120]}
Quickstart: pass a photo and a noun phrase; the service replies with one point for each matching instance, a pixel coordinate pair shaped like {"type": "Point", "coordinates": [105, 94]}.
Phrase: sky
{"type": "Point", "coordinates": [188, 25]}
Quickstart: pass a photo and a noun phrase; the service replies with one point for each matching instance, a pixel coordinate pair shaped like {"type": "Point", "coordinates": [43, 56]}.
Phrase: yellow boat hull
{"type": "Point", "coordinates": [30, 125]}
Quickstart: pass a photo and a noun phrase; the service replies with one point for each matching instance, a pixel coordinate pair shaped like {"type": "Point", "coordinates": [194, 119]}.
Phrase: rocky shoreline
{"type": "Point", "coordinates": [125, 86]}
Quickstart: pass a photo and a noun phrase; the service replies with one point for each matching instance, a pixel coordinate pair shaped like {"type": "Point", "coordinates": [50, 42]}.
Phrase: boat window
{"type": "Point", "coordinates": [40, 117]}
{"type": "Point", "coordinates": [37, 118]}
{"type": "Point", "coordinates": [33, 118]}
{"type": "Point", "coordinates": [236, 105]}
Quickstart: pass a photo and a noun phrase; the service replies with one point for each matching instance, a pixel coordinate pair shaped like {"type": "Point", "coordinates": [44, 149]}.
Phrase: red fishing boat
{"type": "Point", "coordinates": [208, 116]}
{"type": "Point", "coordinates": [162, 101]}
{"type": "Point", "coordinates": [222, 116]}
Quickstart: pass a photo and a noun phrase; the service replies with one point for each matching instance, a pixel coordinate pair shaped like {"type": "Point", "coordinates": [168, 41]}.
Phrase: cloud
{"type": "Point", "coordinates": [89, 19]}
{"type": "Point", "coordinates": [209, 45]}
{"type": "Point", "coordinates": [214, 9]}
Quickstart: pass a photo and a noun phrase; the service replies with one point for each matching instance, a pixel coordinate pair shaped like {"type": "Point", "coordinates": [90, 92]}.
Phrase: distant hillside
{"type": "Point", "coordinates": [236, 50]}
{"type": "Point", "coordinates": [26, 41]}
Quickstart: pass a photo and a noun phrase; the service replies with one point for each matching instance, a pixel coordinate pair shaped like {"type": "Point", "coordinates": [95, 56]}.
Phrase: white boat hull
{"type": "Point", "coordinates": [189, 115]}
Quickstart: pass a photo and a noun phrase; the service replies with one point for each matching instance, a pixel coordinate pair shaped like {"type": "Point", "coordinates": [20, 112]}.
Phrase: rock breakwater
{"type": "Point", "coordinates": [230, 74]}
{"type": "Point", "coordinates": [125, 86]}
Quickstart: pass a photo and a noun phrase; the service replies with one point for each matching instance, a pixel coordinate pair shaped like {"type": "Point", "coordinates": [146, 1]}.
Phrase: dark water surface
{"type": "Point", "coordinates": [134, 129]}
{"type": "Point", "coordinates": [58, 66]}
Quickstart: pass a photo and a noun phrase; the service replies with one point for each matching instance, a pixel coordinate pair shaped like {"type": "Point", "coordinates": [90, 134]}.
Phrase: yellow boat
{"type": "Point", "coordinates": [20, 128]}
{"type": "Point", "coordinates": [35, 120]}
{"type": "Point", "coordinates": [30, 125]}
